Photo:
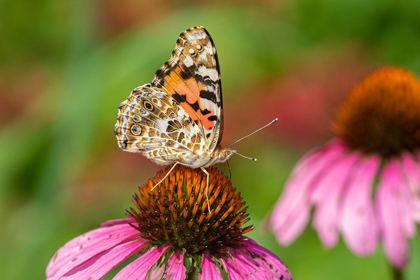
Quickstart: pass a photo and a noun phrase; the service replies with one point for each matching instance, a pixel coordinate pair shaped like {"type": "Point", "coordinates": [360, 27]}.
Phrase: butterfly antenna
{"type": "Point", "coordinates": [250, 158]}
{"type": "Point", "coordinates": [273, 121]}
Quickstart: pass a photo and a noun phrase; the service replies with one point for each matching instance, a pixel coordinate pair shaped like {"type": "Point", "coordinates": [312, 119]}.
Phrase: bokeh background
{"type": "Point", "coordinates": [66, 65]}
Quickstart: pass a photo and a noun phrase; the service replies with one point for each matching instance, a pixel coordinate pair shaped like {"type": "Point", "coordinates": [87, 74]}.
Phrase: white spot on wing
{"type": "Point", "coordinates": [211, 72]}
{"type": "Point", "coordinates": [198, 35]}
{"type": "Point", "coordinates": [209, 49]}
{"type": "Point", "coordinates": [188, 61]}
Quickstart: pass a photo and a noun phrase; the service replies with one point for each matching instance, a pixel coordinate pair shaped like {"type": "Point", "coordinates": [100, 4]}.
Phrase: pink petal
{"type": "Point", "coordinates": [208, 269]}
{"type": "Point", "coordinates": [99, 265]}
{"type": "Point", "coordinates": [139, 268]}
{"type": "Point", "coordinates": [175, 266]}
{"type": "Point", "coordinates": [239, 264]}
{"type": "Point", "coordinates": [89, 252]}
{"type": "Point", "coordinates": [291, 212]}
{"type": "Point", "coordinates": [245, 265]}
{"type": "Point", "coordinates": [294, 226]}
{"type": "Point", "coordinates": [411, 169]}
{"type": "Point", "coordinates": [116, 222]}
{"type": "Point", "coordinates": [93, 242]}
{"type": "Point", "coordinates": [157, 273]}
{"type": "Point", "coordinates": [335, 174]}
{"type": "Point", "coordinates": [358, 221]}
{"type": "Point", "coordinates": [231, 268]}
{"type": "Point", "coordinates": [327, 197]}
{"type": "Point", "coordinates": [388, 201]}
{"type": "Point", "coordinates": [267, 260]}
{"type": "Point", "coordinates": [252, 261]}
{"type": "Point", "coordinates": [407, 203]}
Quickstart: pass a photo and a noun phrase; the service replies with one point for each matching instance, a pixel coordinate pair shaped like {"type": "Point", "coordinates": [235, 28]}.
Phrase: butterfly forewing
{"type": "Point", "coordinates": [192, 77]}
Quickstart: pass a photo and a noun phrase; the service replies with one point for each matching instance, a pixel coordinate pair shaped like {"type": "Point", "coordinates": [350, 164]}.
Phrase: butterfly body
{"type": "Point", "coordinates": [178, 117]}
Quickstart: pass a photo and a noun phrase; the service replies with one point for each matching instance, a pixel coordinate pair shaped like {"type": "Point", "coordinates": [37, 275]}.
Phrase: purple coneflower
{"type": "Point", "coordinates": [365, 183]}
{"type": "Point", "coordinates": [174, 236]}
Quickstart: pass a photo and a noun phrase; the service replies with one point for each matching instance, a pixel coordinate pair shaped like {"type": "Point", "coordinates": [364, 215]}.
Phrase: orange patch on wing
{"type": "Point", "coordinates": [191, 89]}
{"type": "Point", "coordinates": [184, 87]}
{"type": "Point", "coordinates": [193, 114]}
{"type": "Point", "coordinates": [197, 116]}
{"type": "Point", "coordinates": [194, 93]}
{"type": "Point", "coordinates": [208, 125]}
{"type": "Point", "coordinates": [201, 86]}
{"type": "Point", "coordinates": [176, 81]}
{"type": "Point", "coordinates": [168, 88]}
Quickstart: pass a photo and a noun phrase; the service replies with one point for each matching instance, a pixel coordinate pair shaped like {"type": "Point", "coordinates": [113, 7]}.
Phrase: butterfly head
{"type": "Point", "coordinates": [218, 156]}
{"type": "Point", "coordinates": [225, 154]}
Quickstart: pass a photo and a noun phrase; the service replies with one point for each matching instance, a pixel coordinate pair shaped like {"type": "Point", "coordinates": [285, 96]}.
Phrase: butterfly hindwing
{"type": "Point", "coordinates": [192, 77]}
{"type": "Point", "coordinates": [151, 122]}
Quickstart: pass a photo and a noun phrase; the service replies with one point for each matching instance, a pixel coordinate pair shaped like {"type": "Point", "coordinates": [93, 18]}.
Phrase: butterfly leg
{"type": "Point", "coordinates": [167, 174]}
{"type": "Point", "coordinates": [207, 187]}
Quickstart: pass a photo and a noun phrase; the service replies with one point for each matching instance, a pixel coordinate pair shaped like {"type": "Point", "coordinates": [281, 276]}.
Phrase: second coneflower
{"type": "Point", "coordinates": [174, 236]}
{"type": "Point", "coordinates": [365, 183]}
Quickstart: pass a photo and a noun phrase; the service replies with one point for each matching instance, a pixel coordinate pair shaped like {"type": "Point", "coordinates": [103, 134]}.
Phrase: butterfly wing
{"type": "Point", "coordinates": [192, 77]}
{"type": "Point", "coordinates": [151, 122]}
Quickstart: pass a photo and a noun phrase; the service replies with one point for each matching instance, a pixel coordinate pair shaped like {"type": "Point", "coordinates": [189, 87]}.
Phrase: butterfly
{"type": "Point", "coordinates": [178, 117]}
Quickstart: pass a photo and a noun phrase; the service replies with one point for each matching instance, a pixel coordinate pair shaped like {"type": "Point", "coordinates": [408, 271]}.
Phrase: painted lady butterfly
{"type": "Point", "coordinates": [178, 117]}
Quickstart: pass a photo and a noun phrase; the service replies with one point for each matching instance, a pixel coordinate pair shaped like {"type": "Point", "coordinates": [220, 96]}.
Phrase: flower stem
{"type": "Point", "coordinates": [397, 274]}
{"type": "Point", "coordinates": [193, 274]}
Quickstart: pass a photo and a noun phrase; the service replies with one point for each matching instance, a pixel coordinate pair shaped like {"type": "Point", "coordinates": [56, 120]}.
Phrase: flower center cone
{"type": "Point", "coordinates": [382, 113]}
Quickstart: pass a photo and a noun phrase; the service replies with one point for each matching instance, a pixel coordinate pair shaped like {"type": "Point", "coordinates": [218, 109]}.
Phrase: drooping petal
{"type": "Point", "coordinates": [139, 268]}
{"type": "Point", "coordinates": [267, 259]}
{"type": "Point", "coordinates": [292, 210]}
{"type": "Point", "coordinates": [157, 273]}
{"type": "Point", "coordinates": [252, 261]}
{"type": "Point", "coordinates": [175, 266]}
{"type": "Point", "coordinates": [99, 265]}
{"type": "Point", "coordinates": [406, 202]}
{"type": "Point", "coordinates": [90, 252]}
{"type": "Point", "coordinates": [389, 198]}
{"type": "Point", "coordinates": [208, 269]}
{"type": "Point", "coordinates": [292, 227]}
{"type": "Point", "coordinates": [358, 221]}
{"type": "Point", "coordinates": [116, 222]}
{"type": "Point", "coordinates": [90, 243]}
{"type": "Point", "coordinates": [231, 268]}
{"type": "Point", "coordinates": [411, 170]}
{"type": "Point", "coordinates": [327, 198]}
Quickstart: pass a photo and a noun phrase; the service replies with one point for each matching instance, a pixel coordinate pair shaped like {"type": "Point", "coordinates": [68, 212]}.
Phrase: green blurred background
{"type": "Point", "coordinates": [66, 65]}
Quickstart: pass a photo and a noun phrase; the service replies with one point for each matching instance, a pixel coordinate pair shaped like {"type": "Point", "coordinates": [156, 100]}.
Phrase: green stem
{"type": "Point", "coordinates": [193, 274]}
{"type": "Point", "coordinates": [397, 274]}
